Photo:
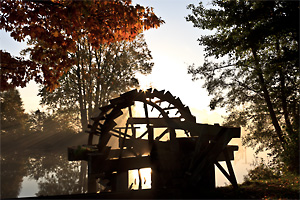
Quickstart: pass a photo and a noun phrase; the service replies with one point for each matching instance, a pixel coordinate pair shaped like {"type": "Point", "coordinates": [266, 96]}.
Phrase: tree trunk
{"type": "Point", "coordinates": [80, 96]}
{"type": "Point", "coordinates": [268, 101]}
{"type": "Point", "coordinates": [284, 103]}
{"type": "Point", "coordinates": [90, 87]}
{"type": "Point", "coordinates": [98, 81]}
{"type": "Point", "coordinates": [283, 95]}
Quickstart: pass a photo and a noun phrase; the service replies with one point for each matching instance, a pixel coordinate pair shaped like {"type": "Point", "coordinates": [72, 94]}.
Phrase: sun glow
{"type": "Point", "coordinates": [137, 175]}
{"type": "Point", "coordinates": [144, 81]}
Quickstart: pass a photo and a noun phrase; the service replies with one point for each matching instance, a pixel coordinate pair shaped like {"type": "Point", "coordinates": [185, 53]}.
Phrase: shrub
{"type": "Point", "coordinates": [262, 171]}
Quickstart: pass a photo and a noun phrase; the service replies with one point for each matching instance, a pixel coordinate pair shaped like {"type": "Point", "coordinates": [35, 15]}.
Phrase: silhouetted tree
{"type": "Point", "coordinates": [13, 117]}
{"type": "Point", "coordinates": [259, 83]}
{"type": "Point", "coordinates": [99, 75]}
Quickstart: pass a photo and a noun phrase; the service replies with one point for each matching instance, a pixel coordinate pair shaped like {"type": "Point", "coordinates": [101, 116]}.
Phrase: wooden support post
{"type": "Point", "coordinates": [123, 142]}
{"type": "Point", "coordinates": [121, 139]}
{"type": "Point", "coordinates": [132, 126]}
{"type": "Point", "coordinates": [149, 128]}
{"type": "Point", "coordinates": [122, 181]}
{"type": "Point", "coordinates": [150, 135]}
{"type": "Point", "coordinates": [92, 184]}
{"type": "Point", "coordinates": [231, 176]}
{"type": "Point", "coordinates": [140, 179]}
{"type": "Point", "coordinates": [92, 180]}
{"type": "Point", "coordinates": [172, 134]}
{"type": "Point", "coordinates": [210, 177]}
{"type": "Point", "coordinates": [230, 169]}
{"type": "Point", "coordinates": [174, 146]}
{"type": "Point", "coordinates": [222, 170]}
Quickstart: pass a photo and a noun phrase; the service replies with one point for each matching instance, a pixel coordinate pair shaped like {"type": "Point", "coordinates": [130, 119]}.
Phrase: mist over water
{"type": "Point", "coordinates": [37, 164]}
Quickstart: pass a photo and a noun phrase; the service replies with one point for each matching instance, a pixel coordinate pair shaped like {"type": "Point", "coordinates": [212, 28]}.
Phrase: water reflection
{"type": "Point", "coordinates": [12, 172]}
{"type": "Point", "coordinates": [53, 173]}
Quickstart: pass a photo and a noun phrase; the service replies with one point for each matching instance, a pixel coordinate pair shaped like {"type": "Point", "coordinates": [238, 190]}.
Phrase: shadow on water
{"type": "Point", "coordinates": [45, 164]}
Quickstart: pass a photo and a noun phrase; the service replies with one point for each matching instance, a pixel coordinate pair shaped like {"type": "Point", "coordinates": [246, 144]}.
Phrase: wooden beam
{"type": "Point", "coordinates": [130, 163]}
{"type": "Point", "coordinates": [195, 129]}
{"type": "Point", "coordinates": [122, 164]}
{"type": "Point", "coordinates": [230, 169]}
{"type": "Point", "coordinates": [114, 153]}
{"type": "Point", "coordinates": [149, 127]}
{"type": "Point", "coordinates": [120, 132]}
{"type": "Point", "coordinates": [132, 126]}
{"type": "Point", "coordinates": [156, 122]}
{"type": "Point", "coordinates": [210, 130]}
{"type": "Point", "coordinates": [230, 149]}
{"type": "Point", "coordinates": [162, 134]}
{"type": "Point", "coordinates": [141, 136]}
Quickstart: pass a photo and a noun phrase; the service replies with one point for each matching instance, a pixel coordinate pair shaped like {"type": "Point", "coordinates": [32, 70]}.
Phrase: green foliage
{"type": "Point", "coordinates": [269, 182]}
{"type": "Point", "coordinates": [13, 117]}
{"type": "Point", "coordinates": [258, 80]}
{"type": "Point", "coordinates": [263, 171]}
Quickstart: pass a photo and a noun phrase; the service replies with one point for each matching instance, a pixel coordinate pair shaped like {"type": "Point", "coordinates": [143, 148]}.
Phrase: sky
{"type": "Point", "coordinates": [174, 46]}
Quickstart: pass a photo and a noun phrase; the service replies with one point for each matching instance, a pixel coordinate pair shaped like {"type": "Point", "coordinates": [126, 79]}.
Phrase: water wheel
{"type": "Point", "coordinates": [153, 129]}
{"type": "Point", "coordinates": [142, 122]}
{"type": "Point", "coordinates": [166, 107]}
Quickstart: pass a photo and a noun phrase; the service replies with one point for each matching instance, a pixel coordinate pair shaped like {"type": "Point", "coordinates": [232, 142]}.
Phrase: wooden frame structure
{"type": "Point", "coordinates": [181, 153]}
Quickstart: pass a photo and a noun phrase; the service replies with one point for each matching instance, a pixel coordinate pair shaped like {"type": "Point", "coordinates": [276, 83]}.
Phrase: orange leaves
{"type": "Point", "coordinates": [56, 33]}
{"type": "Point", "coordinates": [55, 26]}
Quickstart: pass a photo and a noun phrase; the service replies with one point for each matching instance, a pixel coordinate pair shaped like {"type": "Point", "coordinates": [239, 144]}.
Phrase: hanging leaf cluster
{"type": "Point", "coordinates": [54, 27]}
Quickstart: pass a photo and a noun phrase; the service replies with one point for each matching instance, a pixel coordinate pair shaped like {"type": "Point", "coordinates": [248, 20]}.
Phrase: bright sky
{"type": "Point", "coordinates": [174, 46]}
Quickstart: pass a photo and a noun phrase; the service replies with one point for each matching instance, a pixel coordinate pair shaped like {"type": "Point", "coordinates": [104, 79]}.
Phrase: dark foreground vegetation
{"type": "Point", "coordinates": [285, 187]}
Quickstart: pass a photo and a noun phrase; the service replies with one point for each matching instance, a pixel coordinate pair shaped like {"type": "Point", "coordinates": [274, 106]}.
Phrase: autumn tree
{"type": "Point", "coordinates": [98, 75]}
{"type": "Point", "coordinates": [259, 81]}
{"type": "Point", "coordinates": [54, 27]}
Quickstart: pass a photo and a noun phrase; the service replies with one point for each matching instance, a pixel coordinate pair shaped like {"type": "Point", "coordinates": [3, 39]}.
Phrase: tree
{"type": "Point", "coordinates": [13, 117]}
{"type": "Point", "coordinates": [259, 83]}
{"type": "Point", "coordinates": [99, 75]}
{"type": "Point", "coordinates": [47, 123]}
{"type": "Point", "coordinates": [54, 28]}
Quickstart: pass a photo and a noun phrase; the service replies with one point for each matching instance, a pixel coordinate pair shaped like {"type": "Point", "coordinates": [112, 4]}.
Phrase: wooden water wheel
{"type": "Point", "coordinates": [153, 129]}
{"type": "Point", "coordinates": [157, 112]}
{"type": "Point", "coordinates": [167, 108]}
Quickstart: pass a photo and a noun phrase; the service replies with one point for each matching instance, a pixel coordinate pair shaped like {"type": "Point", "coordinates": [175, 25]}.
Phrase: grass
{"type": "Point", "coordinates": [285, 187]}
